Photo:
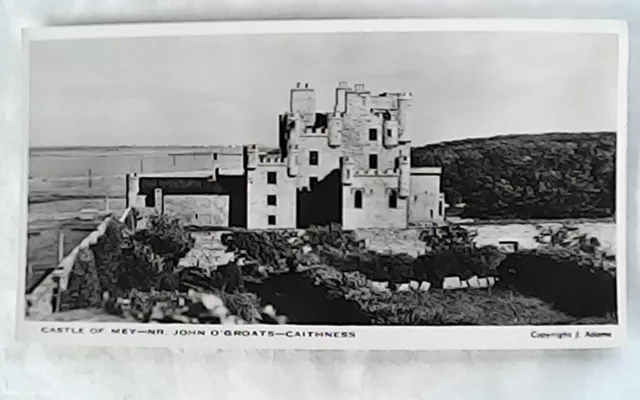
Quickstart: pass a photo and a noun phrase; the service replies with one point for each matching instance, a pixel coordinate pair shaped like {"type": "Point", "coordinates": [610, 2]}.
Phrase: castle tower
{"type": "Point", "coordinates": [404, 180]}
{"type": "Point", "coordinates": [390, 132]}
{"type": "Point", "coordinates": [334, 123]}
{"type": "Point", "coordinates": [297, 129]}
{"type": "Point", "coordinates": [303, 101]}
{"type": "Point", "coordinates": [348, 170]}
{"type": "Point", "coordinates": [251, 156]}
{"type": "Point", "coordinates": [292, 160]}
{"type": "Point", "coordinates": [405, 101]}
{"type": "Point", "coordinates": [341, 104]}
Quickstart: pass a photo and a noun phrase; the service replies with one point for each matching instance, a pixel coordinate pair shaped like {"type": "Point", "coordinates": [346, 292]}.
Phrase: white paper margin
{"type": "Point", "coordinates": [364, 337]}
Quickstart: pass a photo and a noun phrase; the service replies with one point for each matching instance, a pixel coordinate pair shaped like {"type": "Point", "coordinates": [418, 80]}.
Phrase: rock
{"type": "Point", "coordinates": [403, 287]}
{"type": "Point", "coordinates": [379, 286]}
{"type": "Point", "coordinates": [473, 282]}
{"type": "Point", "coordinates": [211, 302]}
{"type": "Point", "coordinates": [491, 281]}
{"type": "Point", "coordinates": [483, 282]}
{"type": "Point", "coordinates": [414, 285]}
{"type": "Point", "coordinates": [451, 282]}
{"type": "Point", "coordinates": [424, 286]}
{"type": "Point", "coordinates": [269, 310]}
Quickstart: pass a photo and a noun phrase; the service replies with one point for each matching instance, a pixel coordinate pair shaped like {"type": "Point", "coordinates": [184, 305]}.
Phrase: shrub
{"type": "Point", "coordinates": [166, 237]}
{"type": "Point", "coordinates": [450, 251]}
{"type": "Point", "coordinates": [83, 290]}
{"type": "Point", "coordinates": [566, 243]}
{"type": "Point", "coordinates": [568, 270]}
{"type": "Point", "coordinates": [438, 307]}
{"type": "Point", "coordinates": [245, 305]}
{"type": "Point", "coordinates": [575, 289]}
{"type": "Point", "coordinates": [268, 248]}
{"type": "Point", "coordinates": [109, 253]}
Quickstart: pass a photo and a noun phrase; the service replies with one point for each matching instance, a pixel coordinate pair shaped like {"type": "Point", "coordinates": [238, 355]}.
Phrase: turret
{"type": "Point", "coordinates": [334, 123]}
{"type": "Point", "coordinates": [405, 101]}
{"type": "Point", "coordinates": [292, 160]}
{"type": "Point", "coordinates": [298, 128]}
{"type": "Point", "coordinates": [252, 156]}
{"type": "Point", "coordinates": [348, 170]}
{"type": "Point", "coordinates": [405, 177]}
{"type": "Point", "coordinates": [341, 105]}
{"type": "Point", "coordinates": [303, 101]}
{"type": "Point", "coordinates": [390, 132]}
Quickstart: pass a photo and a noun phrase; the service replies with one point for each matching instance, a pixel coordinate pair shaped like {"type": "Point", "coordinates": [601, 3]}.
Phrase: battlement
{"type": "Point", "coordinates": [271, 159]}
{"type": "Point", "coordinates": [312, 130]}
{"type": "Point", "coordinates": [361, 173]}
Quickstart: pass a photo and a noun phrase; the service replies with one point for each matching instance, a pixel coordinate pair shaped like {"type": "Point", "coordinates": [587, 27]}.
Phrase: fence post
{"type": "Point", "coordinates": [60, 245]}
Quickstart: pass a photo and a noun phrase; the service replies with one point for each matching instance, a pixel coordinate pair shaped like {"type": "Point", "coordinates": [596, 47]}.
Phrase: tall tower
{"type": "Point", "coordinates": [390, 132]}
{"type": "Point", "coordinates": [341, 91]}
{"type": "Point", "coordinates": [404, 182]}
{"type": "Point", "coordinates": [252, 156]}
{"type": "Point", "coordinates": [334, 123]}
{"type": "Point", "coordinates": [303, 101]}
{"type": "Point", "coordinates": [405, 101]}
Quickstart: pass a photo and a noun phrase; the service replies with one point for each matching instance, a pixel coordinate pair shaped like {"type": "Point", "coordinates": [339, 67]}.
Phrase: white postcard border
{"type": "Point", "coordinates": [355, 337]}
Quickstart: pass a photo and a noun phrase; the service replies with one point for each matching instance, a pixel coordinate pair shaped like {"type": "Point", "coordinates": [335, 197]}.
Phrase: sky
{"type": "Point", "coordinates": [229, 90]}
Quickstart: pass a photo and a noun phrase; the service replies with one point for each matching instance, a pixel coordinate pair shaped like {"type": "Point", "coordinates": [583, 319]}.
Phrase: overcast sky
{"type": "Point", "coordinates": [223, 90]}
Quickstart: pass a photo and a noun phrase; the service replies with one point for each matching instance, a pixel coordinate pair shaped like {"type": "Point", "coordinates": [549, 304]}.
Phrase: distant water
{"type": "Point", "coordinates": [79, 162]}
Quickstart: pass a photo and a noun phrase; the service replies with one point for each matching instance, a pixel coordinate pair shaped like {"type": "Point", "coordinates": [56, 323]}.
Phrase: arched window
{"type": "Point", "coordinates": [357, 199]}
{"type": "Point", "coordinates": [393, 199]}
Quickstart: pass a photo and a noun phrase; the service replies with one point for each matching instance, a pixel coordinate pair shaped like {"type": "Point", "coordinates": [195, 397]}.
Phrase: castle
{"type": "Point", "coordinates": [350, 166]}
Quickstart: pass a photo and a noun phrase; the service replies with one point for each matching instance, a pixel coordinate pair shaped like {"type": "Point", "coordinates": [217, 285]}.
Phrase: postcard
{"type": "Point", "coordinates": [338, 184]}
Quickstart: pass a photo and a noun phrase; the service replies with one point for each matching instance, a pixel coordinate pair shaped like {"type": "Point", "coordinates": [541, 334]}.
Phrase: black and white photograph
{"type": "Point", "coordinates": [417, 184]}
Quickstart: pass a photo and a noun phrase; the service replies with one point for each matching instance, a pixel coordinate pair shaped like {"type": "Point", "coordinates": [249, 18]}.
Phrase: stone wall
{"type": "Point", "coordinates": [375, 211]}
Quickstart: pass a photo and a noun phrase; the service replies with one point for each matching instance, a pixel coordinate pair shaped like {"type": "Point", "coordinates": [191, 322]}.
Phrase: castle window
{"type": "Point", "coordinates": [373, 161]}
{"type": "Point", "coordinates": [271, 220]}
{"type": "Point", "coordinates": [215, 156]}
{"type": "Point", "coordinates": [313, 181]}
{"type": "Point", "coordinates": [396, 163]}
{"type": "Point", "coordinates": [393, 199]}
{"type": "Point", "coordinates": [272, 178]}
{"type": "Point", "coordinates": [431, 212]}
{"type": "Point", "coordinates": [440, 209]}
{"type": "Point", "coordinates": [313, 157]}
{"type": "Point", "coordinates": [357, 199]}
{"type": "Point", "coordinates": [373, 134]}
{"type": "Point", "coordinates": [271, 200]}
{"type": "Point", "coordinates": [389, 132]}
